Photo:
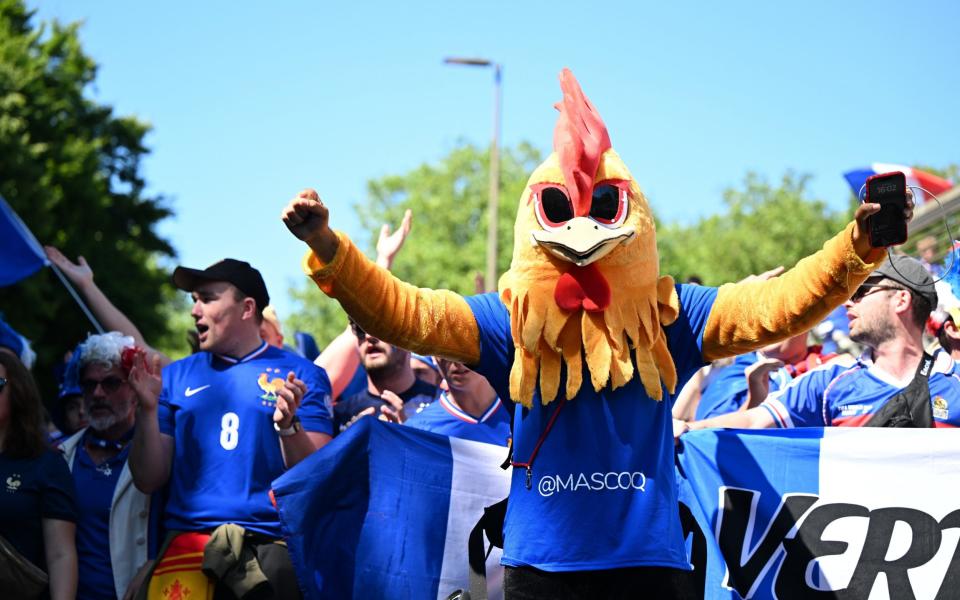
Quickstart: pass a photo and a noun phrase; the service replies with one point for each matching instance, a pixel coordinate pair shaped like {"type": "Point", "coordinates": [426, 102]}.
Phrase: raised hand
{"type": "Point", "coordinates": [774, 272]}
{"type": "Point", "coordinates": [758, 381]}
{"type": "Point", "coordinates": [80, 274]}
{"type": "Point", "coordinates": [288, 400]}
{"type": "Point", "coordinates": [861, 238]}
{"type": "Point", "coordinates": [145, 380]}
{"type": "Point", "coordinates": [390, 243]}
{"type": "Point", "coordinates": [309, 220]}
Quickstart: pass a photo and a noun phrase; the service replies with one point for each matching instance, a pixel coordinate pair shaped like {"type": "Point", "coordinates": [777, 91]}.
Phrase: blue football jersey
{"type": "Point", "coordinates": [727, 390]}
{"type": "Point", "coordinates": [847, 393]}
{"type": "Point", "coordinates": [219, 411]}
{"type": "Point", "coordinates": [446, 418]}
{"type": "Point", "coordinates": [602, 491]}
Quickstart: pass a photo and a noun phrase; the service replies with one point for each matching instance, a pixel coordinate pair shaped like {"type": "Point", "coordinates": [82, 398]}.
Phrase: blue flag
{"type": "Point", "coordinates": [384, 511]}
{"type": "Point", "coordinates": [20, 253]}
{"type": "Point", "coordinates": [822, 513]}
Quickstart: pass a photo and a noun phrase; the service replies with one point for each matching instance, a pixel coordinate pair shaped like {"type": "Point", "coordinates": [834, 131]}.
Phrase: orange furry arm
{"type": "Point", "coordinates": [749, 315]}
{"type": "Point", "coordinates": [431, 322]}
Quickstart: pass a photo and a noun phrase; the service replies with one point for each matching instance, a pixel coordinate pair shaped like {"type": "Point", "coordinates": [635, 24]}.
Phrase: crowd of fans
{"type": "Point", "coordinates": [148, 469]}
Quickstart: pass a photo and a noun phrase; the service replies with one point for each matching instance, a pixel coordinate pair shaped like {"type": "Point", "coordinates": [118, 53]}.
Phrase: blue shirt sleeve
{"type": "Point", "coordinates": [58, 500]}
{"type": "Point", "coordinates": [800, 404]}
{"type": "Point", "coordinates": [728, 391]}
{"type": "Point", "coordinates": [496, 345]}
{"type": "Point", "coordinates": [696, 302]}
{"type": "Point", "coordinates": [313, 412]}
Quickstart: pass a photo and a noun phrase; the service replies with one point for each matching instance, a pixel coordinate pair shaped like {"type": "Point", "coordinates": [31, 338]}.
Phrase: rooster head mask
{"type": "Point", "coordinates": [584, 281]}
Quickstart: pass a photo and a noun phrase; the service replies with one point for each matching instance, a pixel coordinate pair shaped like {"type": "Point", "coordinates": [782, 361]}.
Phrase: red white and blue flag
{"type": "Point", "coordinates": [385, 512]}
{"type": "Point", "coordinates": [857, 178]}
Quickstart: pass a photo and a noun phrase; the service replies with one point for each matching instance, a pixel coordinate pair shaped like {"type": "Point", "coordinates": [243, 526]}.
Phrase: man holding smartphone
{"type": "Point", "coordinates": [887, 315]}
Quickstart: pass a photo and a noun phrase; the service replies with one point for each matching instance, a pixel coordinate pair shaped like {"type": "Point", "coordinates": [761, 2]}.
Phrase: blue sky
{"type": "Point", "coordinates": [251, 102]}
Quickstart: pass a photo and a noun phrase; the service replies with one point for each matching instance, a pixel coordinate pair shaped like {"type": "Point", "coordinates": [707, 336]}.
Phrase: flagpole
{"type": "Point", "coordinates": [76, 297]}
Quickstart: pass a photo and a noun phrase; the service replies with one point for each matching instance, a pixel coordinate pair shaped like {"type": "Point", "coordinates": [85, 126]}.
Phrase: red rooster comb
{"type": "Point", "coordinates": [579, 139]}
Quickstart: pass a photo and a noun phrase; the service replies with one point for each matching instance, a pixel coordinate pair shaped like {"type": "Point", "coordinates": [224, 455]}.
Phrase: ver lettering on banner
{"type": "Point", "coordinates": [859, 513]}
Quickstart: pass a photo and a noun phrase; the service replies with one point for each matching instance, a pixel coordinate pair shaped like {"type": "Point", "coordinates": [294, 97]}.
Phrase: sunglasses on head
{"type": "Point", "coordinates": [869, 288]}
{"type": "Point", "coordinates": [109, 384]}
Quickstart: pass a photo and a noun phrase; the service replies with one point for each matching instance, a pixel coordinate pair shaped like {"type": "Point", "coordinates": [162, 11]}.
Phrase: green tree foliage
{"type": "Point", "coordinates": [447, 246]}
{"type": "Point", "coordinates": [764, 226]}
{"type": "Point", "coordinates": [316, 314]}
{"type": "Point", "coordinates": [449, 201]}
{"type": "Point", "coordinates": [71, 169]}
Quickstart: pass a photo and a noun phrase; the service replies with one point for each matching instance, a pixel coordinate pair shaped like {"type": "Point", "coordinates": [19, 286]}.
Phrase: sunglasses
{"type": "Point", "coordinates": [3, 383]}
{"type": "Point", "coordinates": [358, 331]}
{"type": "Point", "coordinates": [109, 384]}
{"type": "Point", "coordinates": [866, 289]}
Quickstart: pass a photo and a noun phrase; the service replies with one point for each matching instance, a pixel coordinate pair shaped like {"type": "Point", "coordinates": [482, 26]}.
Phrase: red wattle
{"type": "Point", "coordinates": [582, 287]}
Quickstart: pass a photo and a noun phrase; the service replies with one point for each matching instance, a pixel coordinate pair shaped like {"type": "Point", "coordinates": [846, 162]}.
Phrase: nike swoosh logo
{"type": "Point", "coordinates": [189, 392]}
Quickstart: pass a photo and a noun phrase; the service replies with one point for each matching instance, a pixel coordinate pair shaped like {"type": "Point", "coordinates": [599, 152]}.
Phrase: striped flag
{"type": "Point", "coordinates": [823, 513]}
{"type": "Point", "coordinates": [857, 178]}
{"type": "Point", "coordinates": [384, 511]}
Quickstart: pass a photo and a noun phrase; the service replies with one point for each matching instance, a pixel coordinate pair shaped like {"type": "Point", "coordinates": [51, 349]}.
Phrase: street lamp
{"type": "Point", "coordinates": [490, 279]}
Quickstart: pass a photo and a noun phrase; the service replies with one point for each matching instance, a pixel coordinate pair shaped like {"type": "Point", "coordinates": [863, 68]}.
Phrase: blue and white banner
{"type": "Point", "coordinates": [385, 512]}
{"type": "Point", "coordinates": [813, 513]}
{"type": "Point", "coordinates": [20, 253]}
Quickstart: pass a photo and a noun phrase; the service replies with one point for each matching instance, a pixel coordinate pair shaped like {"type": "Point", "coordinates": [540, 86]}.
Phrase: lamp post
{"type": "Point", "coordinates": [490, 278]}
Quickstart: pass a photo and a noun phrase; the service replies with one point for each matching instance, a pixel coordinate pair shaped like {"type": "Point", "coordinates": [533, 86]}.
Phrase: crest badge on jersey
{"type": "Point", "coordinates": [941, 409]}
{"type": "Point", "coordinates": [270, 383]}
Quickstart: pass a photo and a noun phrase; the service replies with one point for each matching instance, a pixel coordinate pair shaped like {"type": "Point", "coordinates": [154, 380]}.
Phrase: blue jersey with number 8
{"type": "Point", "coordinates": [219, 411]}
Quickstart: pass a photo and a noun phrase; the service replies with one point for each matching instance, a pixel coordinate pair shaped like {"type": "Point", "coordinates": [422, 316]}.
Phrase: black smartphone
{"type": "Point", "coordinates": [889, 226]}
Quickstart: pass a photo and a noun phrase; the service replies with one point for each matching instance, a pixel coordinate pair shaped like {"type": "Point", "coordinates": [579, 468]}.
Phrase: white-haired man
{"type": "Point", "coordinates": [113, 528]}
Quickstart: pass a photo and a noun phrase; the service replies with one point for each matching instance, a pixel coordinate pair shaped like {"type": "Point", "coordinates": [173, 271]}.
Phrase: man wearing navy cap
{"type": "Point", "coordinates": [887, 314]}
{"type": "Point", "coordinates": [227, 422]}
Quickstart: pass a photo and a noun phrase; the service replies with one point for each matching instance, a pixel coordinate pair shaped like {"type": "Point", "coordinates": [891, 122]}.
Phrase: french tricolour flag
{"type": "Point", "coordinates": [823, 513]}
{"type": "Point", "coordinates": [915, 177]}
{"type": "Point", "coordinates": [384, 511]}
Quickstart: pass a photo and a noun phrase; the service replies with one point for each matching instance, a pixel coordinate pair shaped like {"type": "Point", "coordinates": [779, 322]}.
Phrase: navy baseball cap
{"type": "Point", "coordinates": [908, 272]}
{"type": "Point", "coordinates": [237, 272]}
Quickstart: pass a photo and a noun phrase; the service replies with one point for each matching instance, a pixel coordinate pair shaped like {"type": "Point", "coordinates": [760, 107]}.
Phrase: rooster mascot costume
{"type": "Point", "coordinates": [592, 343]}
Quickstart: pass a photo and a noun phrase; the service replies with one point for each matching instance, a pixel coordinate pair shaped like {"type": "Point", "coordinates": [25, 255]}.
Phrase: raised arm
{"type": "Point", "coordinates": [81, 276]}
{"type": "Point", "coordinates": [435, 322]}
{"type": "Point", "coordinates": [151, 453]}
{"type": "Point", "coordinates": [340, 358]}
{"type": "Point", "coordinates": [751, 314]}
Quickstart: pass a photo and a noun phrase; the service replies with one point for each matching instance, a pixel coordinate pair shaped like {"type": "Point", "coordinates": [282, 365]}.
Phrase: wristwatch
{"type": "Point", "coordinates": [294, 429]}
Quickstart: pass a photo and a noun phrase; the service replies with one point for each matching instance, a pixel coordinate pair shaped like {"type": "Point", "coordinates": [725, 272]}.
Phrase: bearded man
{"type": "Point", "coordinates": [391, 384]}
{"type": "Point", "coordinates": [114, 526]}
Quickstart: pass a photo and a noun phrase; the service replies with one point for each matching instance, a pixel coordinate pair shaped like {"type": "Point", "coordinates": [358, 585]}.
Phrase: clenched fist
{"type": "Point", "coordinates": [309, 219]}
